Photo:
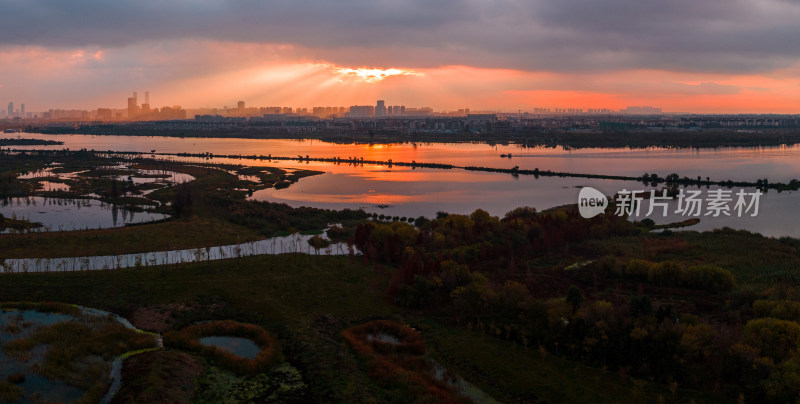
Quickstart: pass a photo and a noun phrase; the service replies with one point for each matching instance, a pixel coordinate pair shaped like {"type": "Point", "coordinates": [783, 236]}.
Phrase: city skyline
{"type": "Point", "coordinates": [699, 57]}
{"type": "Point", "coordinates": [136, 111]}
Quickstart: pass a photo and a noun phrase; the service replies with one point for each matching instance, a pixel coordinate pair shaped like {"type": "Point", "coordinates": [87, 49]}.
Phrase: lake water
{"type": "Point", "coordinates": [403, 191]}
{"type": "Point", "coordinates": [238, 346]}
{"type": "Point", "coordinates": [293, 243]}
{"type": "Point", "coordinates": [71, 214]}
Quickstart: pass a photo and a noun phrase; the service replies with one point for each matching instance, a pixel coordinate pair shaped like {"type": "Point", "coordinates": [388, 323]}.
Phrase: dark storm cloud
{"type": "Point", "coordinates": [565, 35]}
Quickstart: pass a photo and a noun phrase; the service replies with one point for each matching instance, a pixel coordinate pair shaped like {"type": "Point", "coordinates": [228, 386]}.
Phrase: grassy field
{"type": "Point", "coordinates": [159, 376]}
{"type": "Point", "coordinates": [306, 302]}
{"type": "Point", "coordinates": [752, 258]}
{"type": "Point", "coordinates": [191, 232]}
{"type": "Point", "coordinates": [514, 373]}
{"type": "Point", "coordinates": [208, 211]}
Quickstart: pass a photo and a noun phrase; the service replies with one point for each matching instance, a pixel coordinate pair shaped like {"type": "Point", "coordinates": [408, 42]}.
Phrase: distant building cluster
{"type": "Point", "coordinates": [144, 112]}
{"type": "Point", "coordinates": [641, 111]}
{"type": "Point", "coordinates": [396, 118]}
{"type": "Point", "coordinates": [636, 110]}
{"type": "Point", "coordinates": [363, 120]}
{"type": "Point", "coordinates": [17, 113]}
{"type": "Point", "coordinates": [133, 112]}
{"type": "Point", "coordinates": [379, 110]}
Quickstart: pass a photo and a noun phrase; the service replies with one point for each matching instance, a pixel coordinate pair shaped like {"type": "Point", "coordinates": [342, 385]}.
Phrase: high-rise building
{"type": "Point", "coordinates": [145, 108]}
{"type": "Point", "coordinates": [11, 109]}
{"type": "Point", "coordinates": [395, 110]}
{"type": "Point", "coordinates": [104, 114]}
{"type": "Point", "coordinates": [133, 107]}
{"type": "Point", "coordinates": [240, 105]}
{"type": "Point", "coordinates": [380, 108]}
{"type": "Point", "coordinates": [361, 111]}
{"type": "Point", "coordinates": [22, 110]}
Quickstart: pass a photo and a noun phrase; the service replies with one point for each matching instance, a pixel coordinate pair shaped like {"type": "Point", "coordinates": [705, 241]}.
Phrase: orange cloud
{"type": "Point", "coordinates": [372, 75]}
{"type": "Point", "coordinates": [201, 73]}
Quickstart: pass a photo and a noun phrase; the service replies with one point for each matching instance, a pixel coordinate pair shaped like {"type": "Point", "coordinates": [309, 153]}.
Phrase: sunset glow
{"type": "Point", "coordinates": [373, 75]}
{"type": "Point", "coordinates": [454, 201]}
{"type": "Point", "coordinates": [481, 56]}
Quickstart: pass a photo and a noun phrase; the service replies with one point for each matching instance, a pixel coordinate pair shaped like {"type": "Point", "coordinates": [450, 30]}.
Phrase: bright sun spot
{"type": "Point", "coordinates": [372, 75]}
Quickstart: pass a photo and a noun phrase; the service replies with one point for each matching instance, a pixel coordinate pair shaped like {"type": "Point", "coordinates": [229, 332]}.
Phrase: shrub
{"type": "Point", "coordinates": [43, 307]}
{"type": "Point", "coordinates": [16, 378]}
{"type": "Point", "coordinates": [638, 269]}
{"type": "Point", "coordinates": [783, 383]}
{"type": "Point", "coordinates": [775, 338]}
{"type": "Point", "coordinates": [318, 242]}
{"type": "Point", "coordinates": [410, 340]}
{"type": "Point", "coordinates": [707, 277]}
{"type": "Point", "coordinates": [10, 392]}
{"type": "Point", "coordinates": [189, 339]}
{"type": "Point", "coordinates": [609, 264]}
{"type": "Point", "coordinates": [781, 309]}
{"type": "Point", "coordinates": [666, 273]}
{"type": "Point", "coordinates": [711, 277]}
{"type": "Point", "coordinates": [418, 295]}
{"type": "Point", "coordinates": [402, 364]}
{"type": "Point", "coordinates": [574, 297]}
{"type": "Point", "coordinates": [472, 299]}
{"type": "Point", "coordinates": [522, 212]}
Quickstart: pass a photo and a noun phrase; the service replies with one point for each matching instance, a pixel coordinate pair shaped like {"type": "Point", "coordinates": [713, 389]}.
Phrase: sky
{"type": "Point", "coordinates": [701, 56]}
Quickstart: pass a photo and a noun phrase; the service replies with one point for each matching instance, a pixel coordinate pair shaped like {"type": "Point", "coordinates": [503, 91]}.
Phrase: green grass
{"type": "Point", "coordinates": [159, 376]}
{"type": "Point", "coordinates": [306, 301]}
{"type": "Point", "coordinates": [284, 384]}
{"type": "Point", "coordinates": [285, 294]}
{"type": "Point", "coordinates": [184, 233]}
{"type": "Point", "coordinates": [286, 287]}
{"type": "Point", "coordinates": [18, 224]}
{"type": "Point", "coordinates": [513, 373]}
{"type": "Point", "coordinates": [752, 258]}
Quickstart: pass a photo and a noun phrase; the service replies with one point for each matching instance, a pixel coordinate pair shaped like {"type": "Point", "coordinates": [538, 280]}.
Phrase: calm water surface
{"type": "Point", "coordinates": [57, 214]}
{"type": "Point", "coordinates": [403, 191]}
{"type": "Point", "coordinates": [238, 346]}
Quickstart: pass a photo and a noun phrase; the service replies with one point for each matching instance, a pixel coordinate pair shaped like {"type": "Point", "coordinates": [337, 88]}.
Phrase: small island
{"type": "Point", "coordinates": [29, 142]}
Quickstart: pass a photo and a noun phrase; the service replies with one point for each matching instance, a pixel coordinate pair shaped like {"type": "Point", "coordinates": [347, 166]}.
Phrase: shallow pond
{"type": "Point", "coordinates": [57, 214]}
{"type": "Point", "coordinates": [384, 337]}
{"type": "Point", "coordinates": [15, 324]}
{"type": "Point", "coordinates": [238, 346]}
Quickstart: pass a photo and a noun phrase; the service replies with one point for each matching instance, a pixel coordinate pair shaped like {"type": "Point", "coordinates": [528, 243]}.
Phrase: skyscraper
{"type": "Point", "coordinates": [11, 109]}
{"type": "Point", "coordinates": [22, 110]}
{"type": "Point", "coordinates": [133, 107]}
{"type": "Point", "coordinates": [380, 108]}
{"type": "Point", "coordinates": [146, 106]}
